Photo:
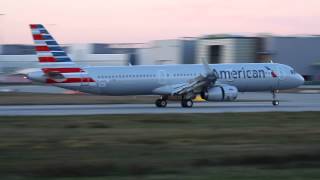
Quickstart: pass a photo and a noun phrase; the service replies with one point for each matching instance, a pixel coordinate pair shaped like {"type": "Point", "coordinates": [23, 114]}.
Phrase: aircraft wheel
{"type": "Point", "coordinates": [275, 102]}
{"type": "Point", "coordinates": [187, 103]}
{"type": "Point", "coordinates": [161, 103]}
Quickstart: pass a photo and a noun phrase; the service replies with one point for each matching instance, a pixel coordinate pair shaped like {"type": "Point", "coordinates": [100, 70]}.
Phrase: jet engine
{"type": "Point", "coordinates": [220, 93]}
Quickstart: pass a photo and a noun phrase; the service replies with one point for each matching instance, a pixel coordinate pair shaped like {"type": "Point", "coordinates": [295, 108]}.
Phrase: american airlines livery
{"type": "Point", "coordinates": [213, 82]}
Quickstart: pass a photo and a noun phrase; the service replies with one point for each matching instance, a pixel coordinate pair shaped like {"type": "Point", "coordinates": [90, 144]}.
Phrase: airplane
{"type": "Point", "coordinates": [213, 82]}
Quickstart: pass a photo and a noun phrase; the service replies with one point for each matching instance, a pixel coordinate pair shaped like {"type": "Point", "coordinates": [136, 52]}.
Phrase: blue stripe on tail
{"type": "Point", "coordinates": [43, 38]}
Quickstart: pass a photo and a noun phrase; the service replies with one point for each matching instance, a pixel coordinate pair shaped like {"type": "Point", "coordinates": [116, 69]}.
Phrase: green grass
{"type": "Point", "coordinates": [190, 146]}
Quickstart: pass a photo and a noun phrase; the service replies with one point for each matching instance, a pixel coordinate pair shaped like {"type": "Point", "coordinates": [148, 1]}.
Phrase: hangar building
{"type": "Point", "coordinates": [227, 49]}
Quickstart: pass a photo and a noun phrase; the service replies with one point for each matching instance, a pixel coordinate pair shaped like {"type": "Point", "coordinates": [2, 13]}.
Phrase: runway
{"type": "Point", "coordinates": [247, 102]}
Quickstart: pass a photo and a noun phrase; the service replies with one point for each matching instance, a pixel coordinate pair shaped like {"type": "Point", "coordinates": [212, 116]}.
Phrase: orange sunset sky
{"type": "Point", "coordinates": [125, 21]}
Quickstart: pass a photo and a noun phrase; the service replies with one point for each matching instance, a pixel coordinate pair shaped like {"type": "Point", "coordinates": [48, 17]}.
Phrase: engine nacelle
{"type": "Point", "coordinates": [220, 93]}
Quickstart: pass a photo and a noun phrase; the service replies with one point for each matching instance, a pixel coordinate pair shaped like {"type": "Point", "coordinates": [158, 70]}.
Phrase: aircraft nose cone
{"type": "Point", "coordinates": [299, 80]}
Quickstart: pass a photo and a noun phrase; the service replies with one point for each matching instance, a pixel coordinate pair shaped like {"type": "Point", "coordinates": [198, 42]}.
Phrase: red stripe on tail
{"type": "Point", "coordinates": [47, 59]}
{"type": "Point", "coordinates": [33, 26]}
{"type": "Point", "coordinates": [37, 37]}
{"type": "Point", "coordinates": [42, 48]}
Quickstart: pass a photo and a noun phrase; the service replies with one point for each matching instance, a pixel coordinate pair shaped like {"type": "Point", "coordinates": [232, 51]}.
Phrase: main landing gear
{"type": "Point", "coordinates": [186, 103]}
{"type": "Point", "coordinates": [275, 101]}
{"type": "Point", "coordinates": [162, 102]}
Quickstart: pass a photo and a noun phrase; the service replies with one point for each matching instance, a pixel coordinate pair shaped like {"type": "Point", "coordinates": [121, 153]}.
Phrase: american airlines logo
{"type": "Point", "coordinates": [274, 75]}
{"type": "Point", "coordinates": [245, 74]}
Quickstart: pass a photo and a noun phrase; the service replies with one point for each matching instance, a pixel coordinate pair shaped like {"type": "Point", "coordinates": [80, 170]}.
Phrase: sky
{"type": "Point", "coordinates": [138, 21]}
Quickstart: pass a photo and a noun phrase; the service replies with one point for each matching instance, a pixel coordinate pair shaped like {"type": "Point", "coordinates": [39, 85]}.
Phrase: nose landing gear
{"type": "Point", "coordinates": [275, 101]}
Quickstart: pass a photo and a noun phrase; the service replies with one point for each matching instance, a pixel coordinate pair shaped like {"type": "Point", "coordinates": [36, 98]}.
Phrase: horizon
{"type": "Point", "coordinates": [124, 21]}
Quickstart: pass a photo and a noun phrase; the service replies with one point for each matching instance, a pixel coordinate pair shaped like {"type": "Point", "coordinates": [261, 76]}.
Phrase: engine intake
{"type": "Point", "coordinates": [220, 93]}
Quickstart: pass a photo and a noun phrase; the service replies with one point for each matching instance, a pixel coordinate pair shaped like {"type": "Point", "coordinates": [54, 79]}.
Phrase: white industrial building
{"type": "Point", "coordinates": [16, 57]}
{"type": "Point", "coordinates": [175, 51]}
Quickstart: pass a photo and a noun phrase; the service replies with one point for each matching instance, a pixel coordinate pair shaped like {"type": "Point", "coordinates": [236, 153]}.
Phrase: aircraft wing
{"type": "Point", "coordinates": [192, 86]}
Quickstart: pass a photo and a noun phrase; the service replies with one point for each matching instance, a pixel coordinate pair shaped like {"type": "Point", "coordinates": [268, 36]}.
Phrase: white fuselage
{"type": "Point", "coordinates": [143, 80]}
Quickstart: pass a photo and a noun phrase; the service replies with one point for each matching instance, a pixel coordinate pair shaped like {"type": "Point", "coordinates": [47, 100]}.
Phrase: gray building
{"type": "Point", "coordinates": [302, 53]}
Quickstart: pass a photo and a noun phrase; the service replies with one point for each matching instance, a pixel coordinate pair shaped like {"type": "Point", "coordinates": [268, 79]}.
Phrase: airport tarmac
{"type": "Point", "coordinates": [247, 102]}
